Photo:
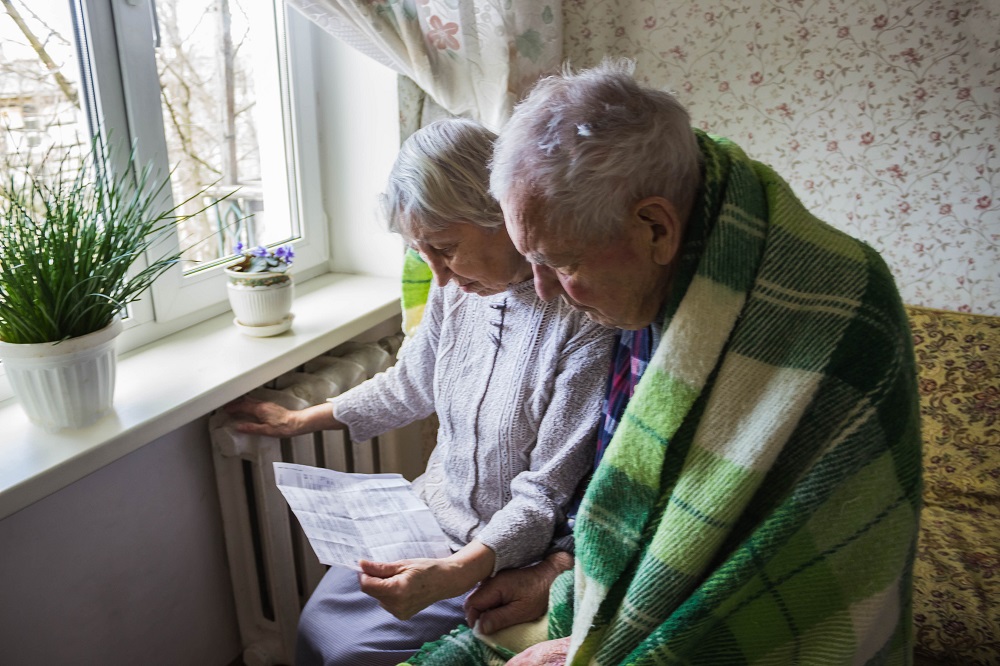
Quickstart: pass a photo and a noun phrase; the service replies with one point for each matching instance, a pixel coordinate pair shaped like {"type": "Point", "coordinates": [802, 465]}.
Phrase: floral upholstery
{"type": "Point", "coordinates": [956, 601]}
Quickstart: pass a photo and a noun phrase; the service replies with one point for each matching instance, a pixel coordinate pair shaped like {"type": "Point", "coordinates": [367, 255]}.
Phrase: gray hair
{"type": "Point", "coordinates": [593, 143]}
{"type": "Point", "coordinates": [440, 177]}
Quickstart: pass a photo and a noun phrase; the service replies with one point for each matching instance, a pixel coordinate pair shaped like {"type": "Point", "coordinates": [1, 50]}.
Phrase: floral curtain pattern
{"type": "Point", "coordinates": [884, 116]}
{"type": "Point", "coordinates": [473, 57]}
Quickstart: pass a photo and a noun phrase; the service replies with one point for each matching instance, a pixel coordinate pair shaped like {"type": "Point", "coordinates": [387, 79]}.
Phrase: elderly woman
{"type": "Point", "coordinates": [516, 383]}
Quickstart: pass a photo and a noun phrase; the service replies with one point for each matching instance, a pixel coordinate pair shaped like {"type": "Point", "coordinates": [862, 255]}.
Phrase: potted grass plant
{"type": "Point", "coordinates": [72, 243]}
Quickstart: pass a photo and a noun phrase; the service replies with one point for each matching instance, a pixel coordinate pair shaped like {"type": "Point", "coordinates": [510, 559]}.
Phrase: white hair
{"type": "Point", "coordinates": [590, 144]}
{"type": "Point", "coordinates": [441, 177]}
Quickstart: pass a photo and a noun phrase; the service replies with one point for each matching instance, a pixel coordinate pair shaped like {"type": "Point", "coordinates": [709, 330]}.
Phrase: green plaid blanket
{"type": "Point", "coordinates": [759, 500]}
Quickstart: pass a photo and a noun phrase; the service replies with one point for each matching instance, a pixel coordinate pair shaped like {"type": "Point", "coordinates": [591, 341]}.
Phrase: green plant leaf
{"type": "Point", "coordinates": [69, 242]}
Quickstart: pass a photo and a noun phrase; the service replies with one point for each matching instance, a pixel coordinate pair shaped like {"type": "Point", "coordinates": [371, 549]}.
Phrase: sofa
{"type": "Point", "coordinates": [956, 577]}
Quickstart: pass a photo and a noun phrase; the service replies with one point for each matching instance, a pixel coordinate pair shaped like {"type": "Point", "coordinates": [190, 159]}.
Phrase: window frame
{"type": "Point", "coordinates": [125, 100]}
{"type": "Point", "coordinates": [176, 296]}
{"type": "Point", "coordinates": [129, 97]}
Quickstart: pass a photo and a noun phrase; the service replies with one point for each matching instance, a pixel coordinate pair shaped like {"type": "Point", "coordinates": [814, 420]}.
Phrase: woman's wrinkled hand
{"type": "Point", "coordinates": [263, 418]}
{"type": "Point", "coordinates": [549, 653]}
{"type": "Point", "coordinates": [406, 587]}
{"type": "Point", "coordinates": [267, 418]}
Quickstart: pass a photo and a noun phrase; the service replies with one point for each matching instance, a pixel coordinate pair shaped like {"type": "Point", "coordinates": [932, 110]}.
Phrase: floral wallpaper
{"type": "Point", "coordinates": [884, 115]}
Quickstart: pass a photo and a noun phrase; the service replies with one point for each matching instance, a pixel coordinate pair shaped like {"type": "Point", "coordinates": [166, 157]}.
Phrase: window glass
{"type": "Point", "coordinates": [219, 95]}
{"type": "Point", "coordinates": [39, 86]}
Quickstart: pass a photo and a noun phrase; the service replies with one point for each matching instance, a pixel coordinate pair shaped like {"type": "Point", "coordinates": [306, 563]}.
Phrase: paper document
{"type": "Point", "coordinates": [349, 517]}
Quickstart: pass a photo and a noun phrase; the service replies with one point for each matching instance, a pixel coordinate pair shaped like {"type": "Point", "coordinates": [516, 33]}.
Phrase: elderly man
{"type": "Point", "coordinates": [757, 499]}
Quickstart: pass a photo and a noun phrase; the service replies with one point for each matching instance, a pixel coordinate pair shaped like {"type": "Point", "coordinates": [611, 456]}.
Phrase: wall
{"type": "Point", "coordinates": [126, 566]}
{"type": "Point", "coordinates": [358, 143]}
{"type": "Point", "coordinates": [883, 115]}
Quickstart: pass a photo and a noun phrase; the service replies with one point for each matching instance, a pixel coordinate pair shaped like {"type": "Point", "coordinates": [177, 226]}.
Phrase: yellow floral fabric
{"type": "Point", "coordinates": [956, 600]}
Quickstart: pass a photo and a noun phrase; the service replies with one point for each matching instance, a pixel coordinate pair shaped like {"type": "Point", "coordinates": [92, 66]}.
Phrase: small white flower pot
{"type": "Point", "coordinates": [68, 384]}
{"type": "Point", "coordinates": [262, 302]}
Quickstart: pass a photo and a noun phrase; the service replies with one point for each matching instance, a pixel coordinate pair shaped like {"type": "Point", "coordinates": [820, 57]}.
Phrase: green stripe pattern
{"type": "Point", "coordinates": [416, 285]}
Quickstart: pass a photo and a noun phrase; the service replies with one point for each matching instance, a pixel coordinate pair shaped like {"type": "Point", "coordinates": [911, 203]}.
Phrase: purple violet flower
{"type": "Point", "coordinates": [285, 253]}
{"type": "Point", "coordinates": [259, 251]}
{"type": "Point", "coordinates": [239, 248]}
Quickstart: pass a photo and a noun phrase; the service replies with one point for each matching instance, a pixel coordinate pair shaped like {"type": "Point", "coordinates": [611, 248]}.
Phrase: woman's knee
{"type": "Point", "coordinates": [328, 638]}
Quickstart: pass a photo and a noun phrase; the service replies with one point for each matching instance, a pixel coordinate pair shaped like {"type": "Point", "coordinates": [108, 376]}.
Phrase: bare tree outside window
{"type": "Point", "coordinates": [205, 61]}
{"type": "Point", "coordinates": [207, 58]}
{"type": "Point", "coordinates": [40, 113]}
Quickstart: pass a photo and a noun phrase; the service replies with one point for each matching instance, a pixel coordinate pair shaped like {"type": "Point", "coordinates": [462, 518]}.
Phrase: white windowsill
{"type": "Point", "coordinates": [182, 377]}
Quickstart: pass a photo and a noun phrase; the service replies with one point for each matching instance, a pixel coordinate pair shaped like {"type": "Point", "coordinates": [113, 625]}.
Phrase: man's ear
{"type": "Point", "coordinates": [662, 226]}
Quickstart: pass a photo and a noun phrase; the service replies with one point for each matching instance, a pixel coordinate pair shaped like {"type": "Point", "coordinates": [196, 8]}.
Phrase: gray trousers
{"type": "Point", "coordinates": [343, 626]}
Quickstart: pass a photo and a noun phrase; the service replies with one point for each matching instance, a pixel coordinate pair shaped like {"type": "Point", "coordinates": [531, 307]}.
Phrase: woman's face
{"type": "Point", "coordinates": [481, 261]}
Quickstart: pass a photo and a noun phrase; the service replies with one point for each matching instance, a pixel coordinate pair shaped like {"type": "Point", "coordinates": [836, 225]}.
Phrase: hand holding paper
{"type": "Point", "coordinates": [406, 587]}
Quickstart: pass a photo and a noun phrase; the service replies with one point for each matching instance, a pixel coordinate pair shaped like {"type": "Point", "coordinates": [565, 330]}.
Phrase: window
{"type": "Point", "coordinates": [216, 75]}
{"type": "Point", "coordinates": [203, 91]}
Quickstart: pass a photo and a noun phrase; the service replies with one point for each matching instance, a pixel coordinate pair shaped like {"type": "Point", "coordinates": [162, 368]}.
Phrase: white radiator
{"type": "Point", "coordinates": [272, 566]}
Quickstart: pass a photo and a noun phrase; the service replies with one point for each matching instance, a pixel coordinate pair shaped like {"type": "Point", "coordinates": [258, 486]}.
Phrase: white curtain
{"type": "Point", "coordinates": [475, 58]}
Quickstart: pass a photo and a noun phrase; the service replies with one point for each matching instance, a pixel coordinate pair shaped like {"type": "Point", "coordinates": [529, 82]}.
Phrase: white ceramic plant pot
{"type": "Point", "coordinates": [262, 302]}
{"type": "Point", "coordinates": [68, 384]}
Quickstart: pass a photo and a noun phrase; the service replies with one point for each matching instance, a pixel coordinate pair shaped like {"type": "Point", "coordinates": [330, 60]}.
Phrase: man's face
{"type": "Point", "coordinates": [620, 283]}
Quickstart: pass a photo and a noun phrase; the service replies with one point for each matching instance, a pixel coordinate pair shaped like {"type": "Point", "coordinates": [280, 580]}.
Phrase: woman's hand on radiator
{"type": "Point", "coordinates": [406, 587]}
{"type": "Point", "coordinates": [267, 418]}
